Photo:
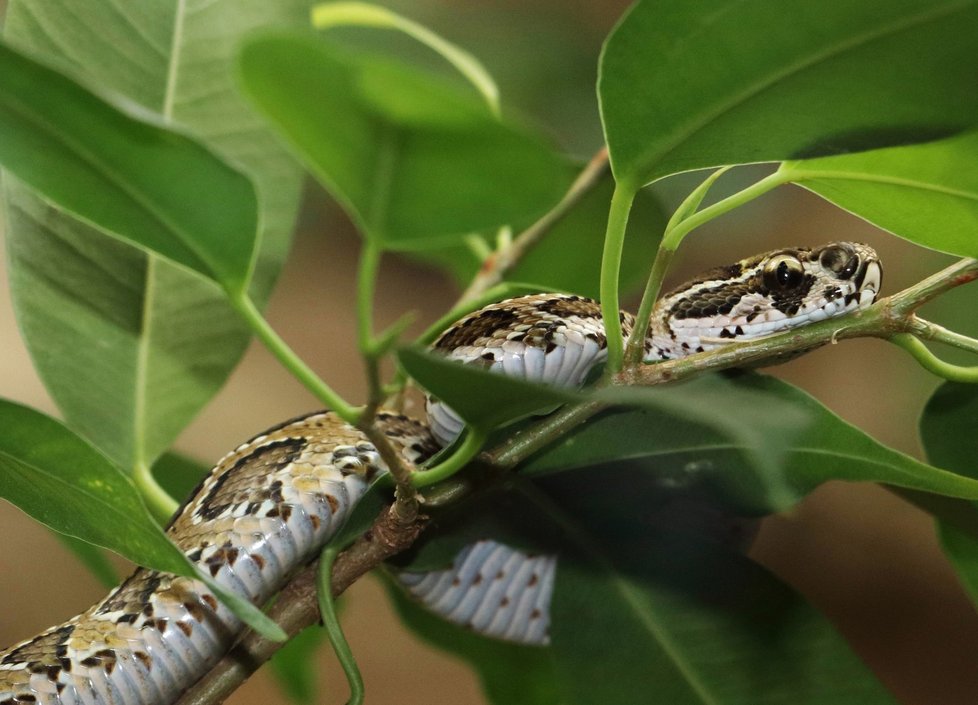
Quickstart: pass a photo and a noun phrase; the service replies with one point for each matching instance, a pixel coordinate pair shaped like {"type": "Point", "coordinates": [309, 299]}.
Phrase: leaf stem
{"type": "Point", "coordinates": [243, 304]}
{"type": "Point", "coordinates": [635, 349]}
{"type": "Point", "coordinates": [680, 230]}
{"type": "Point", "coordinates": [366, 288]}
{"type": "Point", "coordinates": [469, 448]}
{"type": "Point", "coordinates": [933, 364]}
{"type": "Point", "coordinates": [331, 621]}
{"type": "Point", "coordinates": [157, 500]}
{"type": "Point", "coordinates": [614, 243]}
{"type": "Point", "coordinates": [692, 202]}
{"type": "Point", "coordinates": [940, 334]}
{"type": "Point", "coordinates": [517, 448]}
{"type": "Point", "coordinates": [684, 221]}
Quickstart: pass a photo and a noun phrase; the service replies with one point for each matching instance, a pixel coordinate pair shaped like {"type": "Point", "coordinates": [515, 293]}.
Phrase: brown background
{"type": "Point", "coordinates": [866, 558]}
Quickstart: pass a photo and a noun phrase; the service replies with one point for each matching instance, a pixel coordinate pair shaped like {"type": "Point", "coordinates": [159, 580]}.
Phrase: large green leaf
{"type": "Point", "coordinates": [650, 604]}
{"type": "Point", "coordinates": [62, 481]}
{"type": "Point", "coordinates": [568, 257]}
{"type": "Point", "coordinates": [692, 623]}
{"type": "Point", "coordinates": [65, 483]}
{"type": "Point", "coordinates": [926, 193]}
{"type": "Point", "coordinates": [487, 400]}
{"type": "Point", "coordinates": [761, 424]}
{"type": "Point", "coordinates": [685, 453]}
{"type": "Point", "coordinates": [125, 172]}
{"type": "Point", "coordinates": [93, 557]}
{"type": "Point", "coordinates": [129, 345]}
{"type": "Point", "coordinates": [410, 158]}
{"type": "Point", "coordinates": [687, 85]}
{"type": "Point", "coordinates": [948, 428]}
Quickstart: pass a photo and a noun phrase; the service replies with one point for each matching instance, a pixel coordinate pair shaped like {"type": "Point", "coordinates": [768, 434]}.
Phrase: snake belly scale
{"type": "Point", "coordinates": [268, 507]}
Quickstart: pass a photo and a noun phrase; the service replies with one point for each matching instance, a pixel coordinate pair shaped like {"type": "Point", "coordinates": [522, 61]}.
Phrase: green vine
{"type": "Point", "coordinates": [291, 361]}
{"type": "Point", "coordinates": [334, 631]}
{"type": "Point", "coordinates": [614, 243]}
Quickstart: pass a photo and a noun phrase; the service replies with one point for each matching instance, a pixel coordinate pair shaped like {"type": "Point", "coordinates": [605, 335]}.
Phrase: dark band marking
{"type": "Point", "coordinates": [274, 456]}
{"type": "Point", "coordinates": [478, 326]}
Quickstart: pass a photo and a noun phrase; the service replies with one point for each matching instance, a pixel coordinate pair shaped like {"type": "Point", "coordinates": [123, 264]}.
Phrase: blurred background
{"type": "Point", "coordinates": [866, 558]}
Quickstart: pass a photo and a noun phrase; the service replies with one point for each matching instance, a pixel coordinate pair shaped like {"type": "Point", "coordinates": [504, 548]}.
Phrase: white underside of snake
{"type": "Point", "coordinates": [269, 507]}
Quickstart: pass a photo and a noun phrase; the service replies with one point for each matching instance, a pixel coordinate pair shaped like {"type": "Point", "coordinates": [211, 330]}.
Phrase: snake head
{"type": "Point", "coordinates": [765, 294]}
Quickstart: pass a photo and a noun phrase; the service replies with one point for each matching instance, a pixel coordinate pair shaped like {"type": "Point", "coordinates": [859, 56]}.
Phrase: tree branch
{"type": "Point", "coordinates": [886, 318]}
{"type": "Point", "coordinates": [297, 606]}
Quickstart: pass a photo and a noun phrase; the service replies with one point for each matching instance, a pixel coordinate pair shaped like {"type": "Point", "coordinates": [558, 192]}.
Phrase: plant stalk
{"type": "Point", "coordinates": [292, 362]}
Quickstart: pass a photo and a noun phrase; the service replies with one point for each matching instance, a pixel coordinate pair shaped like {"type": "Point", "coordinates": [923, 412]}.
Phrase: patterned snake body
{"type": "Point", "coordinates": [268, 507]}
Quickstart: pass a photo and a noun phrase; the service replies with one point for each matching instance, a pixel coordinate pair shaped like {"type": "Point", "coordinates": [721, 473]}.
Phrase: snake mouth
{"type": "Point", "coordinates": [869, 281]}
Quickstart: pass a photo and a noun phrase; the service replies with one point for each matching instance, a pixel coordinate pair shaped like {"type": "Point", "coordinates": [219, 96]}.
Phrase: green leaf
{"type": "Point", "coordinates": [125, 172]}
{"type": "Point", "coordinates": [961, 549]}
{"type": "Point", "coordinates": [643, 604]}
{"type": "Point", "coordinates": [410, 158]}
{"type": "Point", "coordinates": [338, 14]}
{"type": "Point", "coordinates": [484, 400]}
{"type": "Point", "coordinates": [689, 85]}
{"type": "Point", "coordinates": [568, 257]}
{"type": "Point", "coordinates": [93, 558]}
{"type": "Point", "coordinates": [129, 345]}
{"type": "Point", "coordinates": [510, 674]}
{"type": "Point", "coordinates": [66, 484]}
{"type": "Point", "coordinates": [741, 409]}
{"type": "Point", "coordinates": [693, 622]}
{"type": "Point", "coordinates": [686, 453]}
{"type": "Point", "coordinates": [367, 508]}
{"type": "Point", "coordinates": [947, 429]}
{"type": "Point", "coordinates": [926, 193]}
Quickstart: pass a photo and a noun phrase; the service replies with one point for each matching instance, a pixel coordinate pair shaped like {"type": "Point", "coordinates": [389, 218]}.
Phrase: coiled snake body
{"type": "Point", "coordinates": [268, 507]}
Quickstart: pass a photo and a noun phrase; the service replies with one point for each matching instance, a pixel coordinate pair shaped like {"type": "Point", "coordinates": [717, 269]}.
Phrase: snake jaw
{"type": "Point", "coordinates": [872, 282]}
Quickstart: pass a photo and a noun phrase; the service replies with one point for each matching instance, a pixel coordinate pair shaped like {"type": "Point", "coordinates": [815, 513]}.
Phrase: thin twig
{"type": "Point", "coordinates": [939, 334]}
{"type": "Point", "coordinates": [501, 263]}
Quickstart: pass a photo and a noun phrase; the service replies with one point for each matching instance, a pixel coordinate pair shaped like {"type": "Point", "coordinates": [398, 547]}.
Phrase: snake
{"type": "Point", "coordinates": [268, 507]}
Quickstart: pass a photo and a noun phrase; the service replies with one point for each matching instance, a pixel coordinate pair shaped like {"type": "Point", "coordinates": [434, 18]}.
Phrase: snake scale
{"type": "Point", "coordinates": [269, 506]}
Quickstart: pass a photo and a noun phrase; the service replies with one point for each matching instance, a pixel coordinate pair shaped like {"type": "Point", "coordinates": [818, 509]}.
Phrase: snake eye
{"type": "Point", "coordinates": [783, 272]}
{"type": "Point", "coordinates": [840, 260]}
